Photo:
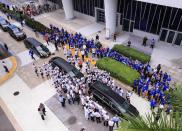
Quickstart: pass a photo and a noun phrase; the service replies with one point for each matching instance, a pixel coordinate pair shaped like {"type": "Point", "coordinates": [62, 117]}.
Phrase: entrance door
{"type": "Point", "coordinates": [128, 25]}
{"type": "Point", "coordinates": [163, 35]}
{"type": "Point", "coordinates": [178, 40]}
{"type": "Point", "coordinates": [170, 37]}
{"type": "Point", "coordinates": [100, 16]}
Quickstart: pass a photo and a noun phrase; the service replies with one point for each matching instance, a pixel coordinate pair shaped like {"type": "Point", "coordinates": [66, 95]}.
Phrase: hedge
{"type": "Point", "coordinates": [118, 70]}
{"type": "Point", "coordinates": [35, 25]}
{"type": "Point", "coordinates": [130, 52]}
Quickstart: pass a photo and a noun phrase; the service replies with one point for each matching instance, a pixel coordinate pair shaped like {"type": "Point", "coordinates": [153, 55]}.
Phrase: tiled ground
{"type": "Point", "coordinates": [5, 124]}
{"type": "Point", "coordinates": [72, 116]}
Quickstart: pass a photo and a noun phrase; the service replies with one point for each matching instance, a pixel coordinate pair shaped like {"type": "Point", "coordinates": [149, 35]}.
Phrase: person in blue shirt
{"type": "Point", "coordinates": [151, 94]}
{"type": "Point", "coordinates": [135, 85]}
{"type": "Point", "coordinates": [145, 91]}
{"type": "Point", "coordinates": [152, 103]}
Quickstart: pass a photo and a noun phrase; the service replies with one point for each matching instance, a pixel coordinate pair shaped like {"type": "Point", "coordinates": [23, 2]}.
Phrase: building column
{"type": "Point", "coordinates": [110, 16]}
{"type": "Point", "coordinates": [42, 2]}
{"type": "Point", "coordinates": [68, 9]}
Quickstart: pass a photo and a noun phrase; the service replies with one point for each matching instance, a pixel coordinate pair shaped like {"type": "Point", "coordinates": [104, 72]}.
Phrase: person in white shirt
{"type": "Point", "coordinates": [111, 125]}
{"type": "Point", "coordinates": [83, 54]}
{"type": "Point", "coordinates": [97, 116]}
{"type": "Point", "coordinates": [92, 117]}
{"type": "Point", "coordinates": [86, 112]}
{"type": "Point", "coordinates": [93, 52]}
{"type": "Point", "coordinates": [76, 54]}
{"type": "Point", "coordinates": [65, 50]}
{"type": "Point", "coordinates": [106, 119]}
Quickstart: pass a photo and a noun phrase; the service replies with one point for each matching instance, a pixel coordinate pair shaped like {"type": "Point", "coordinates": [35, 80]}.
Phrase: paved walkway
{"type": "Point", "coordinates": [5, 124]}
{"type": "Point", "coordinates": [24, 106]}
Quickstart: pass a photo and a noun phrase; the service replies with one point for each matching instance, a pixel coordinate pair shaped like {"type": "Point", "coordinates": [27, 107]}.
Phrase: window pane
{"type": "Point", "coordinates": [126, 25]}
{"type": "Point", "coordinates": [178, 39]}
{"type": "Point", "coordinates": [170, 36]}
{"type": "Point", "coordinates": [163, 35]}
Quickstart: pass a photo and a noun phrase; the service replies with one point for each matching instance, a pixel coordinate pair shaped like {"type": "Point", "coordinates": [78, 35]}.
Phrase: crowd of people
{"type": "Point", "coordinates": [76, 90]}
{"type": "Point", "coordinates": [32, 8]}
{"type": "Point", "coordinates": [153, 82]}
{"type": "Point", "coordinates": [154, 85]}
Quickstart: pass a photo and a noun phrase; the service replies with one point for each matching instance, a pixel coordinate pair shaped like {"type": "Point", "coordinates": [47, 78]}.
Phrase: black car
{"type": "Point", "coordinates": [4, 24]}
{"type": "Point", "coordinates": [111, 99]}
{"type": "Point", "coordinates": [16, 33]}
{"type": "Point", "coordinates": [38, 48]}
{"type": "Point", "coordinates": [65, 66]}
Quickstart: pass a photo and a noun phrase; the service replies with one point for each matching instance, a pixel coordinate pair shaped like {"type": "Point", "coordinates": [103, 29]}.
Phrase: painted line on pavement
{"type": "Point", "coordinates": [11, 71]}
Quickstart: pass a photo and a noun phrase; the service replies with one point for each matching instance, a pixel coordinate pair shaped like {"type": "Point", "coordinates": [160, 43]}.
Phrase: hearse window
{"type": "Point", "coordinates": [125, 105]}
{"type": "Point", "coordinates": [102, 86]}
{"type": "Point", "coordinates": [113, 106]}
{"type": "Point", "coordinates": [106, 100]}
{"type": "Point", "coordinates": [98, 95]}
{"type": "Point", "coordinates": [75, 71]}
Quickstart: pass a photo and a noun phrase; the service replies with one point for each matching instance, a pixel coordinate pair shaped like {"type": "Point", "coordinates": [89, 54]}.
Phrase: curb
{"type": "Point", "coordinates": [10, 116]}
{"type": "Point", "coordinates": [11, 71]}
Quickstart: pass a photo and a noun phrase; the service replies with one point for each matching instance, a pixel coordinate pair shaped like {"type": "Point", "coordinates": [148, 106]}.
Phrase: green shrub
{"type": "Point", "coordinates": [118, 70]}
{"type": "Point", "coordinates": [36, 25]}
{"type": "Point", "coordinates": [130, 52]}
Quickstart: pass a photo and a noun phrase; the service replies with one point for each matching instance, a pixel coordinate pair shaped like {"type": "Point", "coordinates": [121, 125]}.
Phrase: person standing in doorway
{"type": "Point", "coordinates": [152, 43]}
{"type": "Point", "coordinates": [114, 37]}
{"type": "Point", "coordinates": [129, 43]}
{"type": "Point", "coordinates": [145, 41]}
{"type": "Point", "coordinates": [97, 38]}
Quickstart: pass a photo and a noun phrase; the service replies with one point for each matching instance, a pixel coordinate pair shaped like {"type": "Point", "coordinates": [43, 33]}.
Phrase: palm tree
{"type": "Point", "coordinates": [159, 121]}
{"type": "Point", "coordinates": [150, 123]}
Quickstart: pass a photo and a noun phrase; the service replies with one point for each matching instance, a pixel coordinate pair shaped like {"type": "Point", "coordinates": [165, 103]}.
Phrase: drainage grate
{"type": "Point", "coordinates": [72, 120]}
{"type": "Point", "coordinates": [16, 93]}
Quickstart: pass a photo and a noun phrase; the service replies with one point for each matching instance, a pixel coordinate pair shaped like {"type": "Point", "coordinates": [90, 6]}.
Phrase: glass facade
{"type": "Point", "coordinates": [150, 17]}
{"type": "Point", "coordinates": [87, 6]}
{"type": "Point", "coordinates": [144, 16]}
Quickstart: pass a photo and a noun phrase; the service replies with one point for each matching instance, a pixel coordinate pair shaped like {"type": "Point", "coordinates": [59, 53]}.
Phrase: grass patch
{"type": "Point", "coordinates": [133, 53]}
{"type": "Point", "coordinates": [118, 70]}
